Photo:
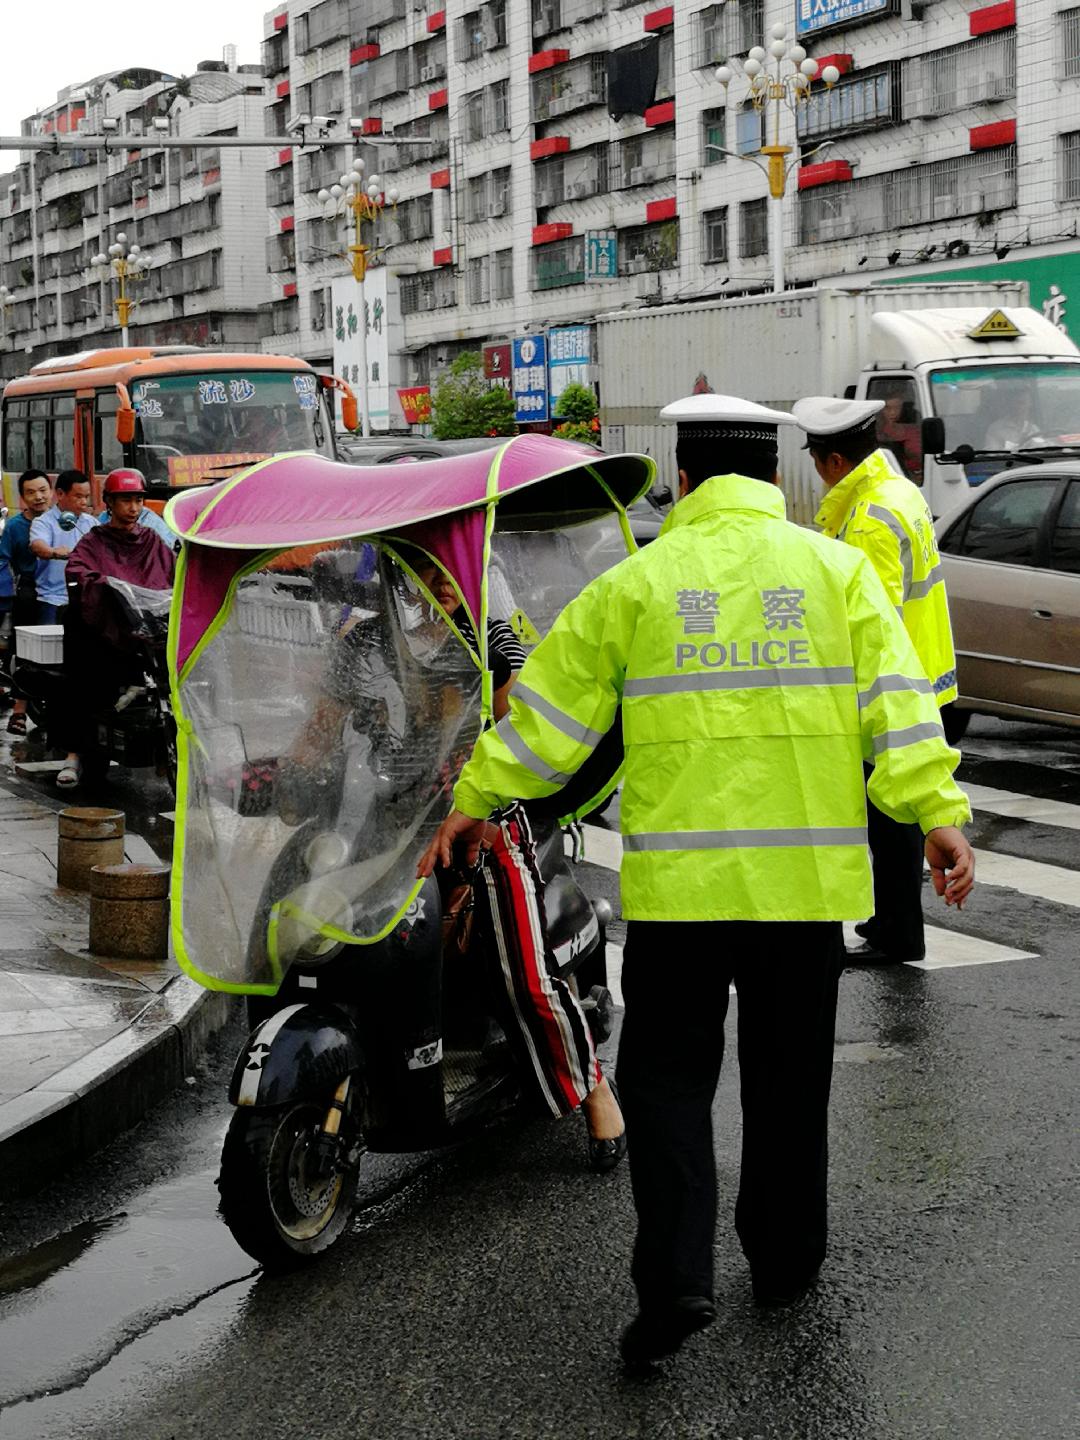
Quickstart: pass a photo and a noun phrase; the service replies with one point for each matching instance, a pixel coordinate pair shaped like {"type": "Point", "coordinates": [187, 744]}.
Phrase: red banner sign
{"type": "Point", "coordinates": [416, 404]}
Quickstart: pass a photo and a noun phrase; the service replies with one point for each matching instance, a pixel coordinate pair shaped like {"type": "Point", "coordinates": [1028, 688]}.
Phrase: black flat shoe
{"type": "Point", "coordinates": [659, 1332]}
{"type": "Point", "coordinates": [864, 929]}
{"type": "Point", "coordinates": [604, 1155]}
{"type": "Point", "coordinates": [870, 955]}
{"type": "Point", "coordinates": [774, 1291]}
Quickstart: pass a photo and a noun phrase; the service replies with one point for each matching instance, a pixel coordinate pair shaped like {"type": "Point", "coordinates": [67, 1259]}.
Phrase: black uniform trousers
{"type": "Point", "coordinates": [897, 854]}
{"type": "Point", "coordinates": [675, 986]}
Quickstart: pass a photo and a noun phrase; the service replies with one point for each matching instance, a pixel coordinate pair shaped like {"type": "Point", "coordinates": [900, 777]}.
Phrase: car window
{"type": "Point", "coordinates": [898, 424]}
{"type": "Point", "coordinates": [1004, 525]}
{"type": "Point", "coordinates": [1065, 545]}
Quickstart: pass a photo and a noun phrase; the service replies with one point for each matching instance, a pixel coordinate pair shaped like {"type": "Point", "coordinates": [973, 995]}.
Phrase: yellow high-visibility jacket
{"type": "Point", "coordinates": [885, 516]}
{"type": "Point", "coordinates": [757, 665]}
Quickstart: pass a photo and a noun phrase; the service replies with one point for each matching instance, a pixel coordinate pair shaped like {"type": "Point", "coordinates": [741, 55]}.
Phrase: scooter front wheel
{"type": "Point", "coordinates": [283, 1203]}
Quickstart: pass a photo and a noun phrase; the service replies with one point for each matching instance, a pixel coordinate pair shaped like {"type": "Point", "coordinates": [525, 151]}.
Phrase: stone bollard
{"type": "Point", "coordinates": [129, 911]}
{"type": "Point", "coordinates": [88, 836]}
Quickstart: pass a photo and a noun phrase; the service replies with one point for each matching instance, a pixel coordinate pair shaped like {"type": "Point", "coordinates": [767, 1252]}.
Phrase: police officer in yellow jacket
{"type": "Point", "coordinates": [756, 665]}
{"type": "Point", "coordinates": [870, 506]}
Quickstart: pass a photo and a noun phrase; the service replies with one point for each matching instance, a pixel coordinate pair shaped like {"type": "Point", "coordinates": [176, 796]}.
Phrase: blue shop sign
{"type": "Point", "coordinates": [814, 15]}
{"type": "Point", "coordinates": [530, 379]}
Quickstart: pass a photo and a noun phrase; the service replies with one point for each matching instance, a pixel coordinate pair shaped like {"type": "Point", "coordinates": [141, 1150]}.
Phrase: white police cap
{"type": "Point", "coordinates": [725, 417]}
{"type": "Point", "coordinates": [824, 418]}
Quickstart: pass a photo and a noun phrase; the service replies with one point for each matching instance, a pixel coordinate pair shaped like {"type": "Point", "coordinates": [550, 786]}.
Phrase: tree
{"type": "Point", "coordinates": [576, 407]}
{"type": "Point", "coordinates": [466, 404]}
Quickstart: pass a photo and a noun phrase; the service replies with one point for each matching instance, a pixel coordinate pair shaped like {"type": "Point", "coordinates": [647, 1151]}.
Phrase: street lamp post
{"type": "Point", "coordinates": [770, 90]}
{"type": "Point", "coordinates": [7, 299]}
{"type": "Point", "coordinates": [128, 263]}
{"type": "Point", "coordinates": [364, 203]}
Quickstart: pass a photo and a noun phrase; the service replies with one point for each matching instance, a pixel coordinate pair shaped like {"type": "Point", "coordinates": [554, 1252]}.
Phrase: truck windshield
{"type": "Point", "coordinates": [1009, 407]}
{"type": "Point", "coordinates": [194, 428]}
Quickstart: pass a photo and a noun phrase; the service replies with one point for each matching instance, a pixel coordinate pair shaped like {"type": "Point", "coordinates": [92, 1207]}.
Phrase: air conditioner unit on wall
{"type": "Point", "coordinates": [637, 264]}
{"type": "Point", "coordinates": [580, 190]}
{"type": "Point", "coordinates": [561, 105]}
{"type": "Point", "coordinates": [428, 72]}
{"type": "Point", "coordinates": [945, 206]}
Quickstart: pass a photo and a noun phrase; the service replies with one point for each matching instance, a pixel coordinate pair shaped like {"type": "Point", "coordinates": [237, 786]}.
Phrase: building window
{"type": "Point", "coordinates": [550, 16]}
{"type": "Point", "coordinates": [320, 308]}
{"type": "Point", "coordinates": [753, 228]}
{"type": "Point", "coordinates": [713, 136]}
{"type": "Point", "coordinates": [504, 274]}
{"type": "Point", "coordinates": [476, 198]}
{"type": "Point", "coordinates": [973, 73]}
{"type": "Point", "coordinates": [726, 30]}
{"type": "Point", "coordinates": [560, 263]}
{"type": "Point", "coordinates": [643, 159]}
{"type": "Point", "coordinates": [977, 184]}
{"type": "Point", "coordinates": [573, 86]}
{"type": "Point", "coordinates": [472, 107]}
{"type": "Point", "coordinates": [858, 102]}
{"type": "Point", "coordinates": [716, 242]}
{"type": "Point", "coordinates": [281, 251]}
{"type": "Point", "coordinates": [479, 280]}
{"type": "Point", "coordinates": [1069, 43]}
{"type": "Point", "coordinates": [1070, 166]}
{"type": "Point", "coordinates": [482, 30]}
{"type": "Point", "coordinates": [326, 22]}
{"type": "Point", "coordinates": [500, 192]}
{"type": "Point", "coordinates": [430, 290]}
{"type": "Point", "coordinates": [749, 130]}
{"type": "Point", "coordinates": [499, 106]}
{"type": "Point", "coordinates": [649, 247]}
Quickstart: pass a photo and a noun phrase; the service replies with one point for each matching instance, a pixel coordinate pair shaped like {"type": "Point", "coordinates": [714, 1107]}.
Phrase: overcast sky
{"type": "Point", "coordinates": [45, 46]}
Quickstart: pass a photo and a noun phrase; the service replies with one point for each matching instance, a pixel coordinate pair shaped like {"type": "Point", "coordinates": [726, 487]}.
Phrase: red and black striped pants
{"type": "Point", "coordinates": [552, 1034]}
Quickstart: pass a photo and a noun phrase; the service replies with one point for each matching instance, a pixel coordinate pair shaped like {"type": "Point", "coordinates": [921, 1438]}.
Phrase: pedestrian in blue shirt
{"type": "Point", "coordinates": [53, 536]}
{"type": "Point", "coordinates": [18, 569]}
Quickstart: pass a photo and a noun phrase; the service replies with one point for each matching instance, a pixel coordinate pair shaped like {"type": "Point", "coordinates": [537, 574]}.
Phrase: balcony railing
{"type": "Point", "coordinates": [560, 263]}
{"type": "Point", "coordinates": [642, 159]}
{"type": "Point", "coordinates": [551, 16]}
{"type": "Point", "coordinates": [977, 72]}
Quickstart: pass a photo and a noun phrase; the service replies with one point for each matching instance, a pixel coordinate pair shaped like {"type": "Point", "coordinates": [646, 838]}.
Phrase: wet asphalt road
{"type": "Point", "coordinates": [480, 1293]}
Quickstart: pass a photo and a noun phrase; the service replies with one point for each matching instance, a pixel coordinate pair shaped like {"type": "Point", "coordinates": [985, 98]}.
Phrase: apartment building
{"type": "Point", "coordinates": [556, 158]}
{"type": "Point", "coordinates": [198, 211]}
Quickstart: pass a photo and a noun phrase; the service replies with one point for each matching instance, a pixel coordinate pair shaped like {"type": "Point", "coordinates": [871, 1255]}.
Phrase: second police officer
{"type": "Point", "coordinates": [872, 507]}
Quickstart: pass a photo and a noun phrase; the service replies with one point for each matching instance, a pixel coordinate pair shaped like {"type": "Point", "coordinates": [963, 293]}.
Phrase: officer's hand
{"type": "Point", "coordinates": [952, 864]}
{"type": "Point", "coordinates": [456, 826]}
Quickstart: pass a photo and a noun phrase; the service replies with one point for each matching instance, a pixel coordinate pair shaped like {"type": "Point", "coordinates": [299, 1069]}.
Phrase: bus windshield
{"type": "Point", "coordinates": [192, 429]}
{"type": "Point", "coordinates": [1008, 407]}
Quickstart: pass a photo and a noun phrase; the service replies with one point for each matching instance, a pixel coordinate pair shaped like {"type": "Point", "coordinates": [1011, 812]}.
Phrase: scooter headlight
{"type": "Point", "coordinates": [325, 852]}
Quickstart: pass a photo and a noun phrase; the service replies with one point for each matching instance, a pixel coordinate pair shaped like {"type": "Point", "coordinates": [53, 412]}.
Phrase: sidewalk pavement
{"type": "Point", "coordinates": [87, 1044]}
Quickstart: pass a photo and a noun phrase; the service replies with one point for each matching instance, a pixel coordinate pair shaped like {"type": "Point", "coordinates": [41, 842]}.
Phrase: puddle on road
{"type": "Point", "coordinates": [864, 1052]}
{"type": "Point", "coordinates": [69, 1305]}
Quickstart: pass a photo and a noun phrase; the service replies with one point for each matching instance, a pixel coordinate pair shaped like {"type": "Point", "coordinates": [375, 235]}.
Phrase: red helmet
{"type": "Point", "coordinates": [125, 482]}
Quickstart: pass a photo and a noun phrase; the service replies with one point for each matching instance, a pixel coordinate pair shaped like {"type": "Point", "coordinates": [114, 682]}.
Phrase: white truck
{"type": "Point", "coordinates": [970, 375]}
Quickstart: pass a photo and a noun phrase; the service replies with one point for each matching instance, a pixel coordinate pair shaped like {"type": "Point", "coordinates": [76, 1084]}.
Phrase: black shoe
{"type": "Point", "coordinates": [604, 1155]}
{"type": "Point", "coordinates": [660, 1331]}
{"type": "Point", "coordinates": [775, 1290]}
{"type": "Point", "coordinates": [864, 929]}
{"type": "Point", "coordinates": [870, 955]}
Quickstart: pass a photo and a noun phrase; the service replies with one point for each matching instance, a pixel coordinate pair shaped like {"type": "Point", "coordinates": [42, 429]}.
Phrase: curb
{"type": "Point", "coordinates": [83, 1107]}
{"type": "Point", "coordinates": [77, 1110]}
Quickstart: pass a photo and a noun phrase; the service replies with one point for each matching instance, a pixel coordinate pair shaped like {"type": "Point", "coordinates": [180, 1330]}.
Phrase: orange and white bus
{"type": "Point", "coordinates": [182, 415]}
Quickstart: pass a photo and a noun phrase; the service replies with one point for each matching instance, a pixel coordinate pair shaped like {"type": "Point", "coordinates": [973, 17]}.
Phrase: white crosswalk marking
{"type": "Point", "coordinates": [945, 949]}
{"type": "Point", "coordinates": [1024, 807]}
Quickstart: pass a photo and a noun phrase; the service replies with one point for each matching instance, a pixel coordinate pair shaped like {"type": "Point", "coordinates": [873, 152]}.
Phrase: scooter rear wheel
{"type": "Point", "coordinates": [279, 1206]}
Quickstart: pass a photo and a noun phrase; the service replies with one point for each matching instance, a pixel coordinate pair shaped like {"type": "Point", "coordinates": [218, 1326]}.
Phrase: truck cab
{"type": "Point", "coordinates": [968, 393]}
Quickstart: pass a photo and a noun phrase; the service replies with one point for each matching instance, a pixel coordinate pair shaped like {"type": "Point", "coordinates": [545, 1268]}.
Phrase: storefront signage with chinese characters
{"type": "Point", "coordinates": [384, 344]}
{"type": "Point", "coordinates": [601, 255]}
{"type": "Point", "coordinates": [569, 357]}
{"type": "Point", "coordinates": [530, 379]}
{"type": "Point", "coordinates": [497, 363]}
{"type": "Point", "coordinates": [814, 15]}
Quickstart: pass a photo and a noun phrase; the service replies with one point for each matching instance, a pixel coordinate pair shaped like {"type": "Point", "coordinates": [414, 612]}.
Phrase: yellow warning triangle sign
{"type": "Point", "coordinates": [996, 326]}
{"type": "Point", "coordinates": [524, 629]}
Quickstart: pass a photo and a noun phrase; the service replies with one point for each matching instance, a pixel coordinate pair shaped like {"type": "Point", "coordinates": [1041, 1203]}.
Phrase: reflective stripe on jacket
{"type": "Point", "coordinates": [885, 516]}
{"type": "Point", "coordinates": [757, 665]}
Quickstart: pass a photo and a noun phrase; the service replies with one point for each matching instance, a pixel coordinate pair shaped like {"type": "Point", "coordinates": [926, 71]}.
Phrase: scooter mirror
{"type": "Point", "coordinates": [350, 414]}
{"type": "Point", "coordinates": [933, 435]}
{"type": "Point", "coordinates": [125, 425]}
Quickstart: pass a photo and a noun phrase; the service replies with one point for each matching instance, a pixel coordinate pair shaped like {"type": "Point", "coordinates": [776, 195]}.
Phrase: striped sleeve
{"type": "Point", "coordinates": [562, 704]}
{"type": "Point", "coordinates": [902, 737]}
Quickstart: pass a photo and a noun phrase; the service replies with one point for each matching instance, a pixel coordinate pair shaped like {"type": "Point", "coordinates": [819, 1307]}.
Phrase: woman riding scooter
{"type": "Point", "coordinates": [98, 658]}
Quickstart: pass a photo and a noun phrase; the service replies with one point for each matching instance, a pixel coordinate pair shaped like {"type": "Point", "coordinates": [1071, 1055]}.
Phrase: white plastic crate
{"type": "Point", "coordinates": [41, 644]}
